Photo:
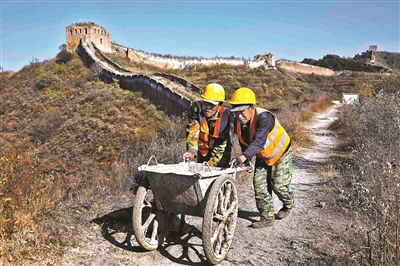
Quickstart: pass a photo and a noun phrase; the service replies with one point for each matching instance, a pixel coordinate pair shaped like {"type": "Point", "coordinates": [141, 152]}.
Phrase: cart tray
{"type": "Point", "coordinates": [182, 188]}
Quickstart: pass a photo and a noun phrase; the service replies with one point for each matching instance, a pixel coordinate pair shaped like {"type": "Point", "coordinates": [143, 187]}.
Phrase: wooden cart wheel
{"type": "Point", "coordinates": [149, 224]}
{"type": "Point", "coordinates": [219, 221]}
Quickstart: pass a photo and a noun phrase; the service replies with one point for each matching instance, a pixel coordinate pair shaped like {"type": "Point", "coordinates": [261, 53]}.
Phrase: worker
{"type": "Point", "coordinates": [260, 134]}
{"type": "Point", "coordinates": [207, 132]}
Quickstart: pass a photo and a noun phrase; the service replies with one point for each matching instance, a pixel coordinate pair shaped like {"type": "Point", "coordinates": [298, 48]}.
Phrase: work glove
{"type": "Point", "coordinates": [235, 161]}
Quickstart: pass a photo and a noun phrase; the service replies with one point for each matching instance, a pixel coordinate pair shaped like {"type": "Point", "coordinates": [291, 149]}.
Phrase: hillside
{"type": "Point", "coordinates": [71, 144]}
{"type": "Point", "coordinates": [65, 139]}
{"type": "Point", "coordinates": [380, 62]}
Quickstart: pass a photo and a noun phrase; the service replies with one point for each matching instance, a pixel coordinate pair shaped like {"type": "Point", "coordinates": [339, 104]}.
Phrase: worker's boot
{"type": "Point", "coordinates": [262, 223]}
{"type": "Point", "coordinates": [283, 212]}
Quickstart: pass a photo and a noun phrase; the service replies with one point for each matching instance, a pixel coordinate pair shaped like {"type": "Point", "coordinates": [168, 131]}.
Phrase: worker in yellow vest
{"type": "Point", "coordinates": [260, 134]}
{"type": "Point", "coordinates": [207, 132]}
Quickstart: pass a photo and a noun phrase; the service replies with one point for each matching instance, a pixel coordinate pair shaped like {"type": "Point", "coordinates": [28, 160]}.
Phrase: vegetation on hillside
{"type": "Point", "coordinates": [392, 60]}
{"type": "Point", "coordinates": [65, 138]}
{"type": "Point", "coordinates": [368, 179]}
{"type": "Point", "coordinates": [383, 62]}
{"type": "Point", "coordinates": [70, 145]}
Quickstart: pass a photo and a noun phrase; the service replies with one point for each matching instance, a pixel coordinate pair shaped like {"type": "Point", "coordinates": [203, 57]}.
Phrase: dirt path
{"type": "Point", "coordinates": [310, 235]}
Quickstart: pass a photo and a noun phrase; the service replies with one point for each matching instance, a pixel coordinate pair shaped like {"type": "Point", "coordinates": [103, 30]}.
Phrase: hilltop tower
{"type": "Point", "coordinates": [270, 60]}
{"type": "Point", "coordinates": [373, 49]}
{"type": "Point", "coordinates": [92, 32]}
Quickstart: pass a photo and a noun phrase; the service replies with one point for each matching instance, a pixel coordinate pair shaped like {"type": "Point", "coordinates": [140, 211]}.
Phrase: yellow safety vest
{"type": "Point", "coordinates": [276, 143]}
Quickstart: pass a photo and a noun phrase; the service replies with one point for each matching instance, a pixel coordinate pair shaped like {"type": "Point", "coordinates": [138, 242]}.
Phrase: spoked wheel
{"type": "Point", "coordinates": [149, 224]}
{"type": "Point", "coordinates": [219, 221]}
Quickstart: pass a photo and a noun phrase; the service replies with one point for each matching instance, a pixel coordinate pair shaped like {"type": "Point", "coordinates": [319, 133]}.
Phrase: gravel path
{"type": "Point", "coordinates": [310, 235]}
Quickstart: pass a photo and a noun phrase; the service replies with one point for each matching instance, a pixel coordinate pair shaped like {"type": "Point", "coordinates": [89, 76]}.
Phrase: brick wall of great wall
{"type": "Point", "coordinates": [163, 97]}
{"type": "Point", "coordinates": [98, 35]}
{"type": "Point", "coordinates": [266, 60]}
{"type": "Point", "coordinates": [303, 68]}
{"type": "Point", "coordinates": [159, 94]}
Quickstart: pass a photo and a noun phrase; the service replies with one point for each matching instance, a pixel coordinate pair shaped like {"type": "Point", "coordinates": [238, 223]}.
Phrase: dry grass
{"type": "Point", "coordinates": [64, 140]}
{"type": "Point", "coordinates": [368, 180]}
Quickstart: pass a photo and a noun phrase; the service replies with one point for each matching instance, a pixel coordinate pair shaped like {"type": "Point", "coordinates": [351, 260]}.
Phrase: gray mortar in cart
{"type": "Point", "coordinates": [187, 188]}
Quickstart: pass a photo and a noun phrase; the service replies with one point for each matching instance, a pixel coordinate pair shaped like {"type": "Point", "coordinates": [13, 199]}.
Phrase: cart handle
{"type": "Point", "coordinates": [152, 157]}
{"type": "Point", "coordinates": [144, 166]}
{"type": "Point", "coordinates": [207, 165]}
{"type": "Point", "coordinates": [204, 164]}
{"type": "Point", "coordinates": [248, 168]}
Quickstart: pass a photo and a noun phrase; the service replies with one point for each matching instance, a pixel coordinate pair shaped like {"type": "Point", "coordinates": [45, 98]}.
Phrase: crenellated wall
{"type": "Point", "coordinates": [267, 60]}
{"type": "Point", "coordinates": [88, 36]}
{"type": "Point", "coordinates": [163, 97]}
{"type": "Point", "coordinates": [303, 68]}
{"type": "Point", "coordinates": [180, 63]}
{"type": "Point", "coordinates": [97, 35]}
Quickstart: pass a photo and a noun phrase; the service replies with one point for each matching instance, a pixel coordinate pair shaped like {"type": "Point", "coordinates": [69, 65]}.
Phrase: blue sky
{"type": "Point", "coordinates": [291, 30]}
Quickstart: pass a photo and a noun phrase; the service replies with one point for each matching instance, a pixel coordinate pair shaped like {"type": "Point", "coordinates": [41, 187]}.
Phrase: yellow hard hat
{"type": "Point", "coordinates": [243, 96]}
{"type": "Point", "coordinates": [214, 93]}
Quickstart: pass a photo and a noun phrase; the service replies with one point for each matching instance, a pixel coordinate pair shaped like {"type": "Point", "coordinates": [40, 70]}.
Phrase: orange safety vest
{"type": "Point", "coordinates": [206, 140]}
{"type": "Point", "coordinates": [276, 143]}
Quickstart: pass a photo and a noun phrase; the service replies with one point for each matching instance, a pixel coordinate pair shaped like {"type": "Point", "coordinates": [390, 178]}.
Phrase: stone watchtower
{"type": "Point", "coordinates": [93, 33]}
{"type": "Point", "coordinates": [270, 60]}
{"type": "Point", "coordinates": [373, 49]}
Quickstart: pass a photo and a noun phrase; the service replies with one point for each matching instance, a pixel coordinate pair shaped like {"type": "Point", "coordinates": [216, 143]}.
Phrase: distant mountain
{"type": "Point", "coordinates": [377, 62]}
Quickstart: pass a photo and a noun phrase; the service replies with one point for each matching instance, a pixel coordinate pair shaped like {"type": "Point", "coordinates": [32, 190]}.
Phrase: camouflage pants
{"type": "Point", "coordinates": [274, 178]}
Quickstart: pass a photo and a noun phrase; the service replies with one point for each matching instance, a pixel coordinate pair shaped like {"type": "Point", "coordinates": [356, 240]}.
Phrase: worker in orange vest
{"type": "Point", "coordinates": [260, 134]}
{"type": "Point", "coordinates": [207, 131]}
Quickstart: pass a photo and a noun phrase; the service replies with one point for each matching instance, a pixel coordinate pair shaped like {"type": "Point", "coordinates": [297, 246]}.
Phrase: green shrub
{"type": "Point", "coordinates": [261, 70]}
{"type": "Point", "coordinates": [312, 90]}
{"type": "Point", "coordinates": [44, 78]}
{"type": "Point", "coordinates": [64, 57]}
{"type": "Point", "coordinates": [265, 87]}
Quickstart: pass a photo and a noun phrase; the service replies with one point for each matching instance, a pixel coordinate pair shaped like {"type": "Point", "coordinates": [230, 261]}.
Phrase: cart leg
{"type": "Point", "coordinates": [182, 224]}
{"type": "Point", "coordinates": [168, 226]}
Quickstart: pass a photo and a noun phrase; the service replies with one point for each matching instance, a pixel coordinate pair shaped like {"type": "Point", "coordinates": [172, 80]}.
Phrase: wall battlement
{"type": "Point", "coordinates": [293, 66]}
{"type": "Point", "coordinates": [97, 35]}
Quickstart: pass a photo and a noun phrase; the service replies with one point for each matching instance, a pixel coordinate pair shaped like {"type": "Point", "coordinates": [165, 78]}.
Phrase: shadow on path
{"type": "Point", "coordinates": [307, 164]}
{"type": "Point", "coordinates": [118, 224]}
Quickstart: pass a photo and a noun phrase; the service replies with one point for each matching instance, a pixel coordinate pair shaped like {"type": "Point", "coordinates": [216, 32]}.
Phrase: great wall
{"type": "Point", "coordinates": [169, 93]}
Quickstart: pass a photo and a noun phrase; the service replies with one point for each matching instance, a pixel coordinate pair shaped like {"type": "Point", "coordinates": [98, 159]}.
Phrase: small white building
{"type": "Point", "coordinates": [350, 98]}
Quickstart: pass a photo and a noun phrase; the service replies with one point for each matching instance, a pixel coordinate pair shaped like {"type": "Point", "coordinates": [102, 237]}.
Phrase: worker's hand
{"type": "Point", "coordinates": [188, 155]}
{"type": "Point", "coordinates": [236, 161]}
